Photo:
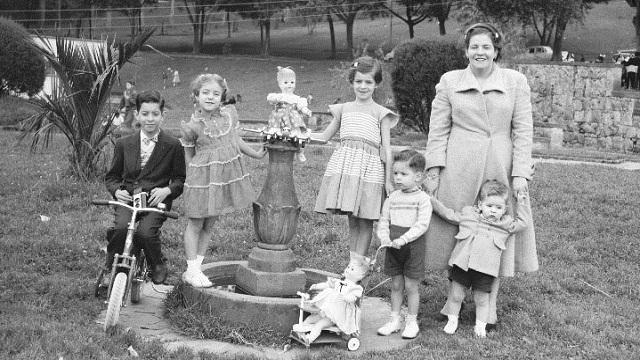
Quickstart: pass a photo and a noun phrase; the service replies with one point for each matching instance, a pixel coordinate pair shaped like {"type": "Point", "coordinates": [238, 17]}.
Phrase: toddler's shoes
{"type": "Point", "coordinates": [394, 325]}
{"type": "Point", "coordinates": [411, 329]}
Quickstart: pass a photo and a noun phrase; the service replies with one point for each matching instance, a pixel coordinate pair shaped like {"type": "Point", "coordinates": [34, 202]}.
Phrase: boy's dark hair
{"type": "Point", "coordinates": [149, 96]}
{"type": "Point", "coordinates": [366, 65]}
{"type": "Point", "coordinates": [494, 187]}
{"type": "Point", "coordinates": [415, 159]}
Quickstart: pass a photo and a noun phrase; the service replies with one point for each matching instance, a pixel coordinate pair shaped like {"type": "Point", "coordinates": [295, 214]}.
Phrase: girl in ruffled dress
{"type": "Point", "coordinates": [358, 173]}
{"type": "Point", "coordinates": [217, 181]}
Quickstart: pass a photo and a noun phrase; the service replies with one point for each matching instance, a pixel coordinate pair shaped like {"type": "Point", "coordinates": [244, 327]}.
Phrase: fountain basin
{"type": "Point", "coordinates": [242, 309]}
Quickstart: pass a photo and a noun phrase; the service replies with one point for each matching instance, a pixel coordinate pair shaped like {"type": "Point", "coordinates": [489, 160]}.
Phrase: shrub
{"type": "Point", "coordinates": [21, 66]}
{"type": "Point", "coordinates": [416, 69]}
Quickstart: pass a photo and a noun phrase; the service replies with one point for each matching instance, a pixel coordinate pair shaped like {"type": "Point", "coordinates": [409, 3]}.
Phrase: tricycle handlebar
{"type": "Point", "coordinates": [170, 214]}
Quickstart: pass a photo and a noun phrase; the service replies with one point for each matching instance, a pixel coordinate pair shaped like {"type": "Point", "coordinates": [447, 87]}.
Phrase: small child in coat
{"type": "Point", "coordinates": [404, 219]}
{"type": "Point", "coordinates": [483, 232]}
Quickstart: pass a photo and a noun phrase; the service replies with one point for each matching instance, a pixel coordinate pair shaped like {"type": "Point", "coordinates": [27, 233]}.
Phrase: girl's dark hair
{"type": "Point", "coordinates": [149, 96]}
{"type": "Point", "coordinates": [366, 65]}
{"type": "Point", "coordinates": [202, 79]}
{"type": "Point", "coordinates": [485, 28]}
{"type": "Point", "coordinates": [415, 159]}
{"type": "Point", "coordinates": [494, 187]}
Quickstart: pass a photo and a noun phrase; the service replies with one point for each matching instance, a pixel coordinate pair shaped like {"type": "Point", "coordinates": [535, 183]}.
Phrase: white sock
{"type": "Point", "coordinates": [411, 317]}
{"type": "Point", "coordinates": [452, 324]}
{"type": "Point", "coordinates": [200, 259]}
{"type": "Point", "coordinates": [193, 266]}
{"type": "Point", "coordinates": [395, 316]}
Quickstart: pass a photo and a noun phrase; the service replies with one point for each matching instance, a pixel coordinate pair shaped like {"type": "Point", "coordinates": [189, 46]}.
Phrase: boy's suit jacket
{"type": "Point", "coordinates": [166, 166]}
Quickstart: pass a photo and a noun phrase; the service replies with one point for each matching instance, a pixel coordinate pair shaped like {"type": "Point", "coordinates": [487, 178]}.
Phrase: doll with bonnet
{"type": "Point", "coordinates": [336, 303]}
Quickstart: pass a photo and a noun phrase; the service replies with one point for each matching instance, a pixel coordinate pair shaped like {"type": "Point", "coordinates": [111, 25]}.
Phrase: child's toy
{"type": "Point", "coordinates": [286, 121]}
{"type": "Point", "coordinates": [333, 314]}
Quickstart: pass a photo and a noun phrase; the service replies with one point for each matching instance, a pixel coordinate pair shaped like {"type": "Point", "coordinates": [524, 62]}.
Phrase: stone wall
{"type": "Point", "coordinates": [585, 101]}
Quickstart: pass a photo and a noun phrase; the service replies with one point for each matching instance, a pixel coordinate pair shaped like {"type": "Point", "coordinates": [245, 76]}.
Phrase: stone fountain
{"type": "Point", "coordinates": [266, 284]}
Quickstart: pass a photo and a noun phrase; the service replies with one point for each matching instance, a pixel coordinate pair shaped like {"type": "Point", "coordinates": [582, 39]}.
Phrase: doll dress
{"type": "Point", "coordinates": [285, 113]}
{"type": "Point", "coordinates": [345, 315]}
{"type": "Point", "coordinates": [217, 181]}
{"type": "Point", "coordinates": [354, 180]}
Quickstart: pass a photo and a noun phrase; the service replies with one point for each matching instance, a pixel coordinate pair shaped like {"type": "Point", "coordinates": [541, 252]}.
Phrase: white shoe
{"type": "Point", "coordinates": [480, 329]}
{"type": "Point", "coordinates": [390, 327]}
{"type": "Point", "coordinates": [196, 279]}
{"type": "Point", "coordinates": [452, 325]}
{"type": "Point", "coordinates": [301, 328]}
{"type": "Point", "coordinates": [411, 330]}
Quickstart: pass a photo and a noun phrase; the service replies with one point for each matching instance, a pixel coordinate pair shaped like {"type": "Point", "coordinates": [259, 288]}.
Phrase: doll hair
{"type": "Point", "coordinates": [485, 28]}
{"type": "Point", "coordinates": [366, 65]}
{"type": "Point", "coordinates": [415, 159]}
{"type": "Point", "coordinates": [285, 72]}
{"type": "Point", "coordinates": [493, 187]}
{"type": "Point", "coordinates": [149, 96]}
{"type": "Point", "coordinates": [202, 79]}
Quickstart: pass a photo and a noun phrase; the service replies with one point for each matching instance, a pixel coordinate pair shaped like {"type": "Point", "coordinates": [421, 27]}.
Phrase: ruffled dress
{"type": "Point", "coordinates": [332, 304]}
{"type": "Point", "coordinates": [217, 181]}
{"type": "Point", "coordinates": [353, 182]}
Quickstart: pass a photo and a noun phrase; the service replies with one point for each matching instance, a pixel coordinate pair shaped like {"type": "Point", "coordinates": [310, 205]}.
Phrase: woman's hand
{"type": "Point", "coordinates": [520, 185]}
{"type": "Point", "coordinates": [432, 181]}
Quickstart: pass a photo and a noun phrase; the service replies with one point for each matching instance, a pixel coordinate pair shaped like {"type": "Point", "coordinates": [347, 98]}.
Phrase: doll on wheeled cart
{"type": "Point", "coordinates": [335, 308]}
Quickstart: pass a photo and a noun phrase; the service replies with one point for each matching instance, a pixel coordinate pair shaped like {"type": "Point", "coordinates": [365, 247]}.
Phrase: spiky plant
{"type": "Point", "coordinates": [76, 106]}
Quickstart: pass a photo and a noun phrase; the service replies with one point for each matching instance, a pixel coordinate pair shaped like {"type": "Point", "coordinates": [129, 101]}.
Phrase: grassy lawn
{"type": "Point", "coordinates": [582, 304]}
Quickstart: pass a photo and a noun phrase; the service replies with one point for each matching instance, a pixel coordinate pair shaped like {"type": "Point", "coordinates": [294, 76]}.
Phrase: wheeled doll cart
{"type": "Point", "coordinates": [333, 335]}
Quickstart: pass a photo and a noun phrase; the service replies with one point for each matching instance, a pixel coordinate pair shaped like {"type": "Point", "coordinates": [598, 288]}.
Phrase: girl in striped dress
{"type": "Point", "coordinates": [358, 175]}
{"type": "Point", "coordinates": [217, 182]}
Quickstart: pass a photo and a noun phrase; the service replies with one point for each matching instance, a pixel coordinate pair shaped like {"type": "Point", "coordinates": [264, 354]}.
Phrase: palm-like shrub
{"type": "Point", "coordinates": [416, 69]}
{"type": "Point", "coordinates": [76, 106]}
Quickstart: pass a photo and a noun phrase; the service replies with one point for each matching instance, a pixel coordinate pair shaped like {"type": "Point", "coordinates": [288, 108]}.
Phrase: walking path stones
{"type": "Point", "coordinates": [147, 320]}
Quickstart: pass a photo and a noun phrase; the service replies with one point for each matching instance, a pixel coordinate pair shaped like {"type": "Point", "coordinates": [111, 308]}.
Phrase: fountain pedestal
{"type": "Point", "coordinates": [272, 268]}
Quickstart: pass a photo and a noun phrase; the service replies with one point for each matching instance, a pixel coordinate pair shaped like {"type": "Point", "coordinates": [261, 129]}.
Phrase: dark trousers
{"type": "Point", "coordinates": [147, 236]}
{"type": "Point", "coordinates": [631, 80]}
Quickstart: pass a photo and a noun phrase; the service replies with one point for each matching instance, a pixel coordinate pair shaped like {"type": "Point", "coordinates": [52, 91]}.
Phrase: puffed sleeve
{"type": "Point", "coordinates": [336, 110]}
{"type": "Point", "coordinates": [233, 115]}
{"type": "Point", "coordinates": [188, 134]}
{"type": "Point", "coordinates": [522, 129]}
{"type": "Point", "coordinates": [390, 115]}
{"type": "Point", "coordinates": [439, 126]}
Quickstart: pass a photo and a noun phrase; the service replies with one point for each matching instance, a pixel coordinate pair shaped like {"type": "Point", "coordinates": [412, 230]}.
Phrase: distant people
{"type": "Point", "coordinates": [631, 67]}
{"type": "Point", "coordinates": [176, 78]}
{"type": "Point", "coordinates": [128, 104]}
{"type": "Point", "coordinates": [165, 78]}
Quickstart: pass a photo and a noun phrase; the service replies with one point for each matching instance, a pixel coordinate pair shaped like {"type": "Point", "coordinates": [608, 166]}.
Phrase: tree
{"type": "Point", "coordinates": [546, 16]}
{"type": "Point", "coordinates": [76, 107]}
{"type": "Point", "coordinates": [198, 17]}
{"type": "Point", "coordinates": [347, 10]}
{"type": "Point", "coordinates": [262, 11]}
{"type": "Point", "coordinates": [21, 66]}
{"type": "Point", "coordinates": [416, 11]}
{"type": "Point", "coordinates": [132, 9]}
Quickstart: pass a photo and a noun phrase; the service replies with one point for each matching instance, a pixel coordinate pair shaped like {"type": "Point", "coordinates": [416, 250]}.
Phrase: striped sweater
{"type": "Point", "coordinates": [406, 209]}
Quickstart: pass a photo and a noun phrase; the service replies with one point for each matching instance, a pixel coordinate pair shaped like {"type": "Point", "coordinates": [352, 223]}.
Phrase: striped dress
{"type": "Point", "coordinates": [353, 182]}
{"type": "Point", "coordinates": [217, 182]}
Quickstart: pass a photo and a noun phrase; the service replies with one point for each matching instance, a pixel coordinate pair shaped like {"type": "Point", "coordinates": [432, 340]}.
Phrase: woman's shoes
{"type": "Point", "coordinates": [197, 279]}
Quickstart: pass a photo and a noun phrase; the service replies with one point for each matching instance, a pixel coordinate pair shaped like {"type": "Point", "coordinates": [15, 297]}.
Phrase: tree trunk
{"type": "Point", "coordinates": [636, 24]}
{"type": "Point", "coordinates": [267, 37]}
{"type": "Point", "coordinates": [411, 31]}
{"type": "Point", "coordinates": [332, 33]}
{"type": "Point", "coordinates": [203, 21]}
{"type": "Point", "coordinates": [441, 20]}
{"type": "Point", "coordinates": [196, 31]}
{"type": "Point", "coordinates": [561, 25]}
{"type": "Point", "coordinates": [172, 12]}
{"type": "Point", "coordinates": [228, 18]}
{"type": "Point", "coordinates": [349, 22]}
{"type": "Point", "coordinates": [43, 13]}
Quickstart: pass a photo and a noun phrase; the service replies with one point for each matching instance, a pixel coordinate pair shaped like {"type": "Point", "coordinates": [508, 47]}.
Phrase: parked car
{"type": "Point", "coordinates": [538, 52]}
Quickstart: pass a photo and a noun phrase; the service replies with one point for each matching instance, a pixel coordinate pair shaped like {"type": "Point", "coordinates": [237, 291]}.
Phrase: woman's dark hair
{"type": "Point", "coordinates": [149, 96]}
{"type": "Point", "coordinates": [366, 65]}
{"type": "Point", "coordinates": [415, 160]}
{"type": "Point", "coordinates": [485, 28]}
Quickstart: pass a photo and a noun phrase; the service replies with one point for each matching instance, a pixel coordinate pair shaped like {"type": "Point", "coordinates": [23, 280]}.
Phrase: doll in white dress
{"type": "Point", "coordinates": [337, 303]}
{"type": "Point", "coordinates": [289, 110]}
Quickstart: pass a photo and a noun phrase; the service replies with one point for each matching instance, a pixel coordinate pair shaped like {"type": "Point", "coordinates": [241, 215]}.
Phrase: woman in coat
{"type": "Point", "coordinates": [481, 128]}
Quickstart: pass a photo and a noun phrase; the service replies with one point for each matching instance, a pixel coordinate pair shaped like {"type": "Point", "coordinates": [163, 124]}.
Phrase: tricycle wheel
{"type": "Point", "coordinates": [353, 344]}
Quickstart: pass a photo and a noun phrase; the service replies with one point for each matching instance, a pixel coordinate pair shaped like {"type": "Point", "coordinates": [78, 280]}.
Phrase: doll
{"type": "Point", "coordinates": [289, 110]}
{"type": "Point", "coordinates": [336, 303]}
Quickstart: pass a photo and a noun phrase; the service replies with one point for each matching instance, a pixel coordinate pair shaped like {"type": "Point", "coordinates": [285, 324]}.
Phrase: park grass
{"type": "Point", "coordinates": [582, 304]}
